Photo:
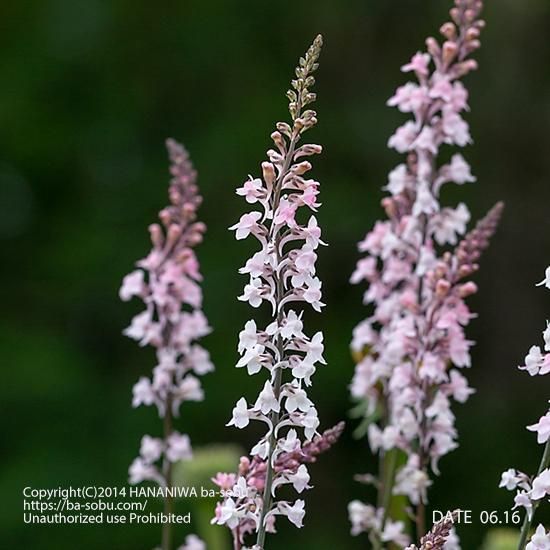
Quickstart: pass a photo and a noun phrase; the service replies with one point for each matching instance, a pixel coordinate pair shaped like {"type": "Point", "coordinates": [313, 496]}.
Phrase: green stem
{"type": "Point", "coordinates": [526, 528]}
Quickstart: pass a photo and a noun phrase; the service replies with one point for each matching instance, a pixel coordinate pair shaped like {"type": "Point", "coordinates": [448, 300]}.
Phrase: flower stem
{"type": "Point", "coordinates": [526, 527]}
{"type": "Point", "coordinates": [167, 471]}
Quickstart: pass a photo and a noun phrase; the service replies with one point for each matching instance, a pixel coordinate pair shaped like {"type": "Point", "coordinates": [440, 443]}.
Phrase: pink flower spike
{"type": "Point", "coordinates": [408, 349]}
{"type": "Point", "coordinates": [167, 282]}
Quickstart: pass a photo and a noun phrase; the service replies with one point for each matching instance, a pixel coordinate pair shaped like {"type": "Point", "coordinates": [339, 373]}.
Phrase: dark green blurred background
{"type": "Point", "coordinates": [89, 91]}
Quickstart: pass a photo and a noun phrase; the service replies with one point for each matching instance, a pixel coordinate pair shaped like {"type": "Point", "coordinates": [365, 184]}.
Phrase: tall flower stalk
{"type": "Point", "coordinates": [281, 273]}
{"type": "Point", "coordinates": [167, 281]}
{"type": "Point", "coordinates": [532, 490]}
{"type": "Point", "coordinates": [411, 349]}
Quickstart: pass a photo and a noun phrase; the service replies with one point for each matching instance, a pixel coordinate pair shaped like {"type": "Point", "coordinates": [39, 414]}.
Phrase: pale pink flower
{"type": "Point", "coordinates": [541, 485]}
{"type": "Point", "coordinates": [419, 64]}
{"type": "Point", "coordinates": [192, 542]}
{"type": "Point", "coordinates": [247, 224]}
{"type": "Point", "coordinates": [546, 281]}
{"type": "Point", "coordinates": [540, 540]}
{"type": "Point", "coordinates": [542, 427]}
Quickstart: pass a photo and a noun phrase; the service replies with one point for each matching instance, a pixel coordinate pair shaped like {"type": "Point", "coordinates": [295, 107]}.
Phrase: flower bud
{"type": "Point", "coordinates": [268, 171]}
{"type": "Point", "coordinates": [467, 289]}
{"type": "Point", "coordinates": [448, 30]}
{"type": "Point", "coordinates": [442, 288]}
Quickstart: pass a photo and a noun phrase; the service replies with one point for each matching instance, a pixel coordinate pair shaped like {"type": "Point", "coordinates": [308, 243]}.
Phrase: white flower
{"type": "Point", "coordinates": [292, 326]}
{"type": "Point", "coordinates": [142, 392]}
{"type": "Point", "coordinates": [297, 399]}
{"type": "Point", "coordinates": [542, 427]}
{"type": "Point", "coordinates": [229, 514]}
{"type": "Point", "coordinates": [190, 389]}
{"type": "Point", "coordinates": [267, 401]}
{"type": "Point", "coordinates": [459, 170]}
{"type": "Point", "coordinates": [546, 281]}
{"type": "Point", "coordinates": [386, 439]}
{"type": "Point", "coordinates": [248, 337]}
{"type": "Point", "coordinates": [150, 449]}
{"type": "Point", "coordinates": [253, 293]}
{"type": "Point", "coordinates": [132, 285]}
{"type": "Point", "coordinates": [246, 225]}
{"type": "Point", "coordinates": [452, 542]}
{"type": "Point", "coordinates": [141, 327]}
{"type": "Point", "coordinates": [315, 349]}
{"type": "Point", "coordinates": [362, 517]}
{"type": "Point", "coordinates": [310, 422]}
{"type": "Point", "coordinates": [412, 481]}
{"type": "Point", "coordinates": [261, 449]}
{"type": "Point", "coordinates": [303, 369]}
{"type": "Point", "coordinates": [533, 361]}
{"type": "Point", "coordinates": [312, 233]}
{"type": "Point", "coordinates": [290, 442]}
{"type": "Point", "coordinates": [199, 359]}
{"type": "Point", "coordinates": [524, 500]}
{"type": "Point", "coordinates": [142, 471]}
{"type": "Point", "coordinates": [425, 202]}
{"type": "Point", "coordinates": [294, 513]}
{"type": "Point", "coordinates": [546, 336]}
{"type": "Point", "coordinates": [240, 417]}
{"type": "Point", "coordinates": [252, 359]}
{"type": "Point", "coordinates": [192, 542]}
{"type": "Point", "coordinates": [300, 479]}
{"type": "Point", "coordinates": [540, 540]}
{"type": "Point", "coordinates": [509, 479]}
{"type": "Point", "coordinates": [398, 180]}
{"type": "Point", "coordinates": [541, 485]}
{"type": "Point", "coordinates": [450, 223]}
{"type": "Point", "coordinates": [393, 532]}
{"type": "Point", "coordinates": [178, 447]}
{"type": "Point", "coordinates": [256, 265]}
{"type": "Point", "coordinates": [312, 293]}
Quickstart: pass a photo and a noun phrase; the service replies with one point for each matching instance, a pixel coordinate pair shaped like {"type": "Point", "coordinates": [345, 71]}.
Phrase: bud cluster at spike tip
{"type": "Point", "coordinates": [167, 281]}
{"type": "Point", "coordinates": [282, 273]}
{"type": "Point", "coordinates": [411, 350]}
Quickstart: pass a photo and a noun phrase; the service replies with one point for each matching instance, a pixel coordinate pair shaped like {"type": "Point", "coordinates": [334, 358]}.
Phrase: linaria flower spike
{"type": "Point", "coordinates": [531, 491]}
{"type": "Point", "coordinates": [282, 274]}
{"type": "Point", "coordinates": [410, 351]}
{"type": "Point", "coordinates": [167, 281]}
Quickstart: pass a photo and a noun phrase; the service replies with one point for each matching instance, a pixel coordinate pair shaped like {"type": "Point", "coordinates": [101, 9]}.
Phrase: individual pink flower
{"type": "Point", "coordinates": [540, 540]}
{"type": "Point", "coordinates": [542, 427]}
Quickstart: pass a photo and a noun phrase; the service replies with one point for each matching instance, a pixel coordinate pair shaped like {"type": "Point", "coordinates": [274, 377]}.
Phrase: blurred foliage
{"type": "Point", "coordinates": [501, 539]}
{"type": "Point", "coordinates": [90, 90]}
{"type": "Point", "coordinates": [207, 462]}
